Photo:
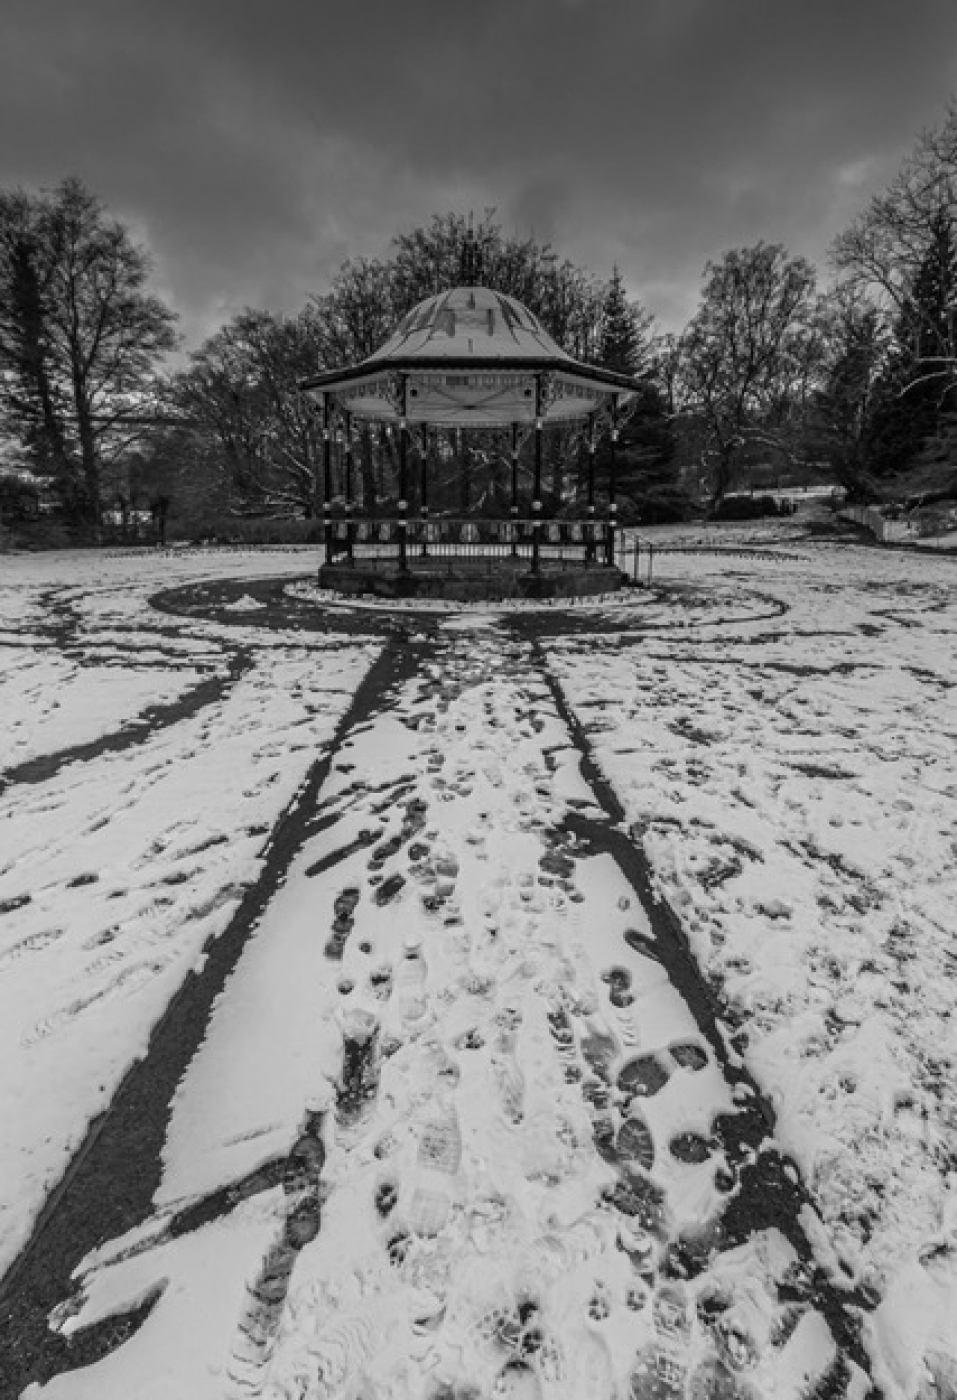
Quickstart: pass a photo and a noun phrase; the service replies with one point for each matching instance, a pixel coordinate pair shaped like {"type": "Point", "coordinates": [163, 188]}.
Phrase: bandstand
{"type": "Point", "coordinates": [468, 358]}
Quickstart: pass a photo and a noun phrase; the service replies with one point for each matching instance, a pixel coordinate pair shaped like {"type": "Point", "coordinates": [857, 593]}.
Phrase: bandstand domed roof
{"type": "Point", "coordinates": [471, 357]}
{"type": "Point", "coordinates": [471, 323]}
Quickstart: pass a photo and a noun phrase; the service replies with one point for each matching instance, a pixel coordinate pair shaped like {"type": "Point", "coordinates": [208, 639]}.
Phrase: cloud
{"type": "Point", "coordinates": [536, 208]}
{"type": "Point", "coordinates": [258, 145]}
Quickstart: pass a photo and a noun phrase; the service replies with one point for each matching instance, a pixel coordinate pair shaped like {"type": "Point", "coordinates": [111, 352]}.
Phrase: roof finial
{"type": "Point", "coordinates": [470, 265]}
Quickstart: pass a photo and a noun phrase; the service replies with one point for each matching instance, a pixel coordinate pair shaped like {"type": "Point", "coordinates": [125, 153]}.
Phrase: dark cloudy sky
{"type": "Point", "coordinates": [255, 144]}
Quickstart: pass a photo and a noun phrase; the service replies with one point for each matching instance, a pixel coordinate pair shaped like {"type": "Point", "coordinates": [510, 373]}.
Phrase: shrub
{"type": "Point", "coordinates": [746, 508]}
{"type": "Point", "coordinates": [42, 534]}
{"type": "Point", "coordinates": [19, 500]}
{"type": "Point", "coordinates": [234, 529]}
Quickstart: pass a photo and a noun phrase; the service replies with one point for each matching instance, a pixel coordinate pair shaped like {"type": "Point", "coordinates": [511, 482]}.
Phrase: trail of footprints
{"type": "Point", "coordinates": [567, 1243]}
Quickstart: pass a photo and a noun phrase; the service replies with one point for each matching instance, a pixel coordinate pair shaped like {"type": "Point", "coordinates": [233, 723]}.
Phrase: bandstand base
{"type": "Point", "coordinates": [470, 580]}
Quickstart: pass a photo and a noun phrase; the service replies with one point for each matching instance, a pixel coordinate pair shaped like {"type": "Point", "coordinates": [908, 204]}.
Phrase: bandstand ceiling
{"type": "Point", "coordinates": [471, 357]}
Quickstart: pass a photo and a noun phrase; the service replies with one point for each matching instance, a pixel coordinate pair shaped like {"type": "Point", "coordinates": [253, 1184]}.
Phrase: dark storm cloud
{"type": "Point", "coordinates": [257, 145]}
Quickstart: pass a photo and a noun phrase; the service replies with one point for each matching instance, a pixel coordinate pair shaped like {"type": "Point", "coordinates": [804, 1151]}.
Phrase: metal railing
{"type": "Point", "coordinates": [635, 556]}
{"type": "Point", "coordinates": [467, 539]}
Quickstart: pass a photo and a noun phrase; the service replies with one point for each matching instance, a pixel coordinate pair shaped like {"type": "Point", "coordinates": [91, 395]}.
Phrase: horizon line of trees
{"type": "Point", "coordinates": [773, 374]}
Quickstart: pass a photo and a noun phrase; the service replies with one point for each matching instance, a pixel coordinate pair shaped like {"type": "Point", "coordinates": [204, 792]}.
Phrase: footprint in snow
{"type": "Point", "coordinates": [32, 944]}
{"type": "Point", "coordinates": [643, 1076]}
{"type": "Point", "coordinates": [343, 919]}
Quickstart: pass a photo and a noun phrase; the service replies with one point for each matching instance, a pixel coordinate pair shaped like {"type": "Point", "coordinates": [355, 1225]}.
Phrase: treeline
{"type": "Point", "coordinates": [776, 377]}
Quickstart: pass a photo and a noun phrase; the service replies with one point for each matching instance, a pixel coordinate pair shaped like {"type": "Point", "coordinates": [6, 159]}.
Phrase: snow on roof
{"type": "Point", "coordinates": [470, 321]}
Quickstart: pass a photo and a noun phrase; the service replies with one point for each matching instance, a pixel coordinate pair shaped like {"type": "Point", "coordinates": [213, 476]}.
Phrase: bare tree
{"type": "Point", "coordinates": [745, 363]}
{"type": "Point", "coordinates": [240, 398]}
{"type": "Point", "coordinates": [356, 315]}
{"type": "Point", "coordinates": [906, 229]}
{"type": "Point", "coordinates": [80, 339]}
{"type": "Point", "coordinates": [368, 298]}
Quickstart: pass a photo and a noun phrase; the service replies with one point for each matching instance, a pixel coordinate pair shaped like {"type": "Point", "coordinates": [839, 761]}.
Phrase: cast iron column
{"type": "Point", "coordinates": [537, 489]}
{"type": "Point", "coordinates": [513, 509]}
{"type": "Point", "coordinates": [612, 504]}
{"type": "Point", "coordinates": [350, 539]}
{"type": "Point", "coordinates": [590, 539]}
{"type": "Point", "coordinates": [403, 476]}
{"type": "Point", "coordinates": [424, 487]}
{"type": "Point", "coordinates": [327, 474]}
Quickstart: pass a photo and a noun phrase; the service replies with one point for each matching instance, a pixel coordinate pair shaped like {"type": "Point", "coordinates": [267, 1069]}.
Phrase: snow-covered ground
{"type": "Point", "coordinates": [116, 870]}
{"type": "Point", "coordinates": [794, 783]}
{"type": "Point", "coordinates": [515, 1134]}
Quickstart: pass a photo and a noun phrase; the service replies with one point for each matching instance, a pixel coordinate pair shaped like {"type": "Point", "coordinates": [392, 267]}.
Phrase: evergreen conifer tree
{"type": "Point", "coordinates": [623, 331]}
{"type": "Point", "coordinates": [916, 388]}
{"type": "Point", "coordinates": [845, 403]}
{"type": "Point", "coordinates": [645, 472]}
{"type": "Point", "coordinates": [925, 325]}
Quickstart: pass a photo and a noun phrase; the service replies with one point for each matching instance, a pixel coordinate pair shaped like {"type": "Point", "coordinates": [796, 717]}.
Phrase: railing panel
{"type": "Point", "coordinates": [445, 537]}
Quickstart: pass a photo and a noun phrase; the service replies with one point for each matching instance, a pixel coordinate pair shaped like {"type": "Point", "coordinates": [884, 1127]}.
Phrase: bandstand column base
{"type": "Point", "coordinates": [478, 586]}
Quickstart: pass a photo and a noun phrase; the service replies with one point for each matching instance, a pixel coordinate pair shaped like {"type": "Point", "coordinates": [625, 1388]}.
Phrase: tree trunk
{"type": "Point", "coordinates": [722, 476]}
{"type": "Point", "coordinates": [89, 462]}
